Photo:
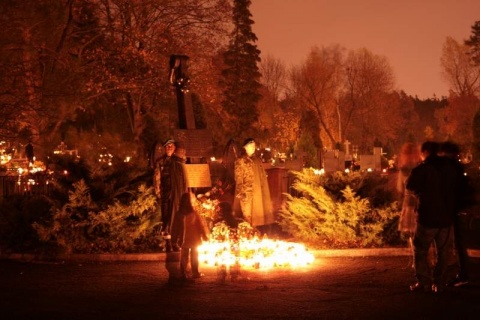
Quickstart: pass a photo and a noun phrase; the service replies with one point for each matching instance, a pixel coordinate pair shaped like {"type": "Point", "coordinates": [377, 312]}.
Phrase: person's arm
{"type": "Point", "coordinates": [239, 179]}
{"type": "Point", "coordinates": [414, 181]}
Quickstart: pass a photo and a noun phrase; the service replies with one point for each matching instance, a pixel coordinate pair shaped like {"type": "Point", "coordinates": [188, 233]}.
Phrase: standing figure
{"type": "Point", "coordinates": [29, 152]}
{"type": "Point", "coordinates": [252, 194]}
{"type": "Point", "coordinates": [451, 151]}
{"type": "Point", "coordinates": [170, 185]}
{"type": "Point", "coordinates": [409, 158]}
{"type": "Point", "coordinates": [435, 182]}
{"type": "Point", "coordinates": [194, 231]}
{"type": "Point", "coordinates": [230, 155]}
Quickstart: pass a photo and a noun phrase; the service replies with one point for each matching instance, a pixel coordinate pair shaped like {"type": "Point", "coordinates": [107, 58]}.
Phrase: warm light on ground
{"type": "Point", "coordinates": [255, 253]}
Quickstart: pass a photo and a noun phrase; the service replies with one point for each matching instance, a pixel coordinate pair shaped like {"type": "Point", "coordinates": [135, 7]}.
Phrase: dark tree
{"type": "Point", "coordinates": [426, 113]}
{"type": "Point", "coordinates": [241, 77]}
{"type": "Point", "coordinates": [29, 63]}
{"type": "Point", "coordinates": [309, 142]}
{"type": "Point", "coordinates": [474, 42]}
{"type": "Point", "coordinates": [476, 137]}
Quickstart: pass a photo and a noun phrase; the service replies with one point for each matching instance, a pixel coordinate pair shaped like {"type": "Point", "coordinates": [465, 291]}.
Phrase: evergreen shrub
{"type": "Point", "coordinates": [80, 226]}
{"type": "Point", "coordinates": [328, 212]}
{"type": "Point", "coordinates": [89, 209]}
{"type": "Point", "coordinates": [18, 213]}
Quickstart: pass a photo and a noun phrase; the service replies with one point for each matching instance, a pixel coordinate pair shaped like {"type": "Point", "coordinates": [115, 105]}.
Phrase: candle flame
{"type": "Point", "coordinates": [255, 253]}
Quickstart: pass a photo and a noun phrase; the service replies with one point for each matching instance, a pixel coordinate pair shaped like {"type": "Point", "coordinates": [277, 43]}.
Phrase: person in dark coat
{"type": "Point", "coordinates": [252, 193]}
{"type": "Point", "coordinates": [170, 184]}
{"type": "Point", "coordinates": [29, 152]}
{"type": "Point", "coordinates": [435, 181]}
{"type": "Point", "coordinates": [451, 151]}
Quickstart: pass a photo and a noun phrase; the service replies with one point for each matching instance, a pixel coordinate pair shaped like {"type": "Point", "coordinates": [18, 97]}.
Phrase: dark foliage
{"type": "Point", "coordinates": [18, 215]}
{"type": "Point", "coordinates": [241, 77]}
{"type": "Point", "coordinates": [474, 42]}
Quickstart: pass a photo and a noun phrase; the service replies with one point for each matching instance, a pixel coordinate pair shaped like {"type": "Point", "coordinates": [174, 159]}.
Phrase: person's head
{"type": "Point", "coordinates": [169, 147]}
{"type": "Point", "coordinates": [449, 149]}
{"type": "Point", "coordinates": [249, 146]}
{"type": "Point", "coordinates": [409, 155]}
{"type": "Point", "coordinates": [429, 148]}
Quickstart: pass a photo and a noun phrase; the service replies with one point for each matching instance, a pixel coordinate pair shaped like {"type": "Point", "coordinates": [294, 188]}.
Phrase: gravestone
{"type": "Point", "coordinates": [334, 160]}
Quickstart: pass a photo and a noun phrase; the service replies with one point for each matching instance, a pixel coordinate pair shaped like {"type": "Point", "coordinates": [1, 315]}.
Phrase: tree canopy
{"type": "Point", "coordinates": [94, 74]}
{"type": "Point", "coordinates": [240, 77]}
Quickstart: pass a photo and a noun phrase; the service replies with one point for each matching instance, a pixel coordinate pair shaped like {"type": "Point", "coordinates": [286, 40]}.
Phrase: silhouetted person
{"type": "Point", "coordinates": [435, 182]}
{"type": "Point", "coordinates": [451, 151]}
{"type": "Point", "coordinates": [29, 152]}
{"type": "Point", "coordinates": [230, 155]}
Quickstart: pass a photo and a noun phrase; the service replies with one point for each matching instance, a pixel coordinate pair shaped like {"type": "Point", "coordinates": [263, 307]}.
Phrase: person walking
{"type": "Point", "coordinates": [435, 182]}
{"type": "Point", "coordinates": [194, 232]}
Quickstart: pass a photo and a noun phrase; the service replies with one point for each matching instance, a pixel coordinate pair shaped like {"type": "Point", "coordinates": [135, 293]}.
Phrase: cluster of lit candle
{"type": "Point", "coordinates": [255, 253]}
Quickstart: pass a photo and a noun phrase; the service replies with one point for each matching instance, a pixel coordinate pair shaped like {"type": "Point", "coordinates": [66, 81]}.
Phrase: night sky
{"type": "Point", "coordinates": [410, 33]}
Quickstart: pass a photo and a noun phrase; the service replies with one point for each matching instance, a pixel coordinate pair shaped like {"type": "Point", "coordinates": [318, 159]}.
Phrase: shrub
{"type": "Point", "coordinates": [16, 218]}
{"type": "Point", "coordinates": [80, 226]}
{"type": "Point", "coordinates": [335, 219]}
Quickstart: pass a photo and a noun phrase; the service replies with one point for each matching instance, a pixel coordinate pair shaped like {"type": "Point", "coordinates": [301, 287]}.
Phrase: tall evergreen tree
{"type": "Point", "coordinates": [474, 43]}
{"type": "Point", "coordinates": [241, 77]}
